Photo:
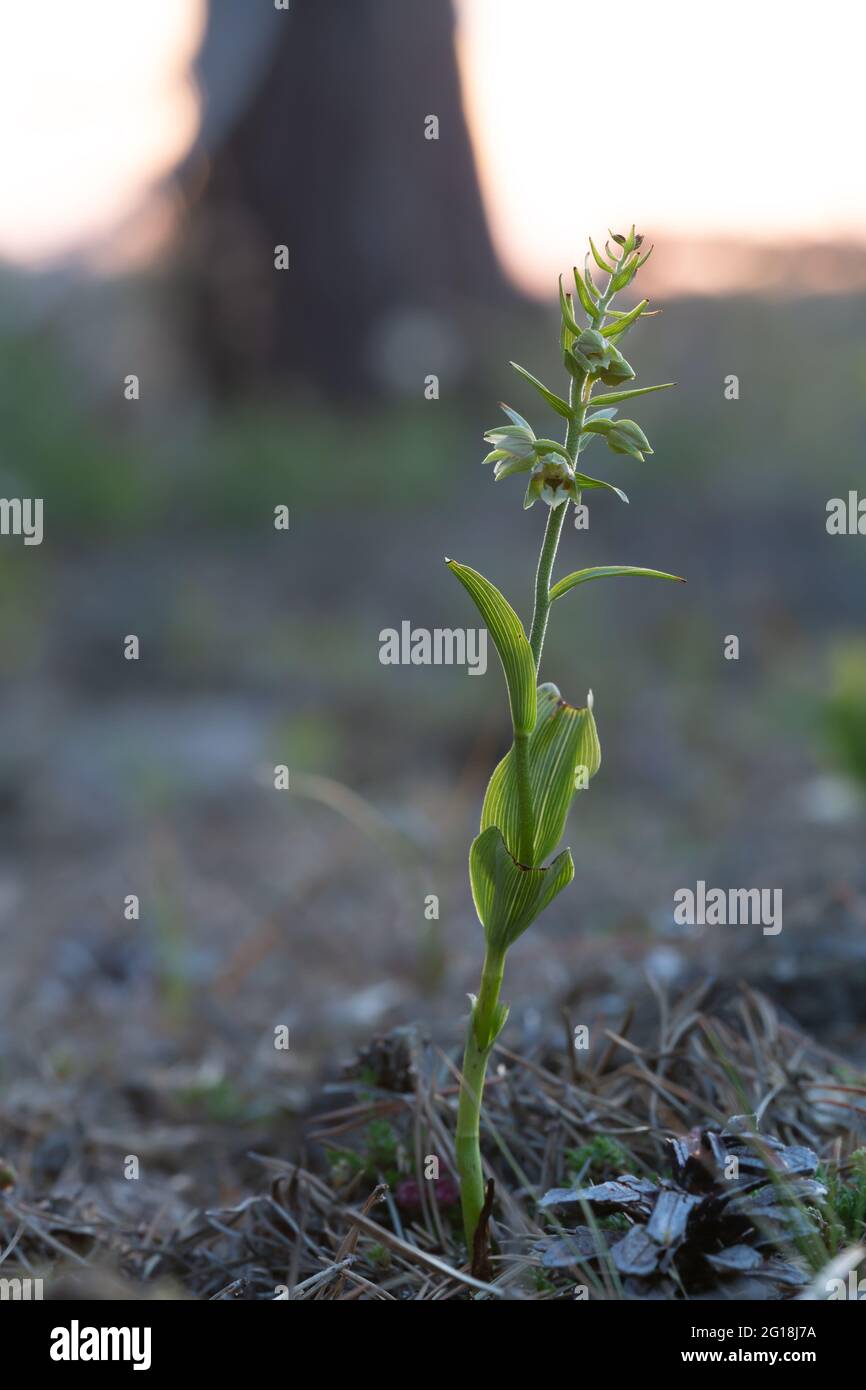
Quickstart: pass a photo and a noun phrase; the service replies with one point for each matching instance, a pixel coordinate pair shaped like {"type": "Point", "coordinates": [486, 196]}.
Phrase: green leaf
{"type": "Point", "coordinates": [515, 418]}
{"type": "Point", "coordinates": [555, 402]}
{"type": "Point", "coordinates": [613, 330]}
{"type": "Point", "coordinates": [565, 308]}
{"type": "Point", "coordinates": [509, 638]}
{"type": "Point", "coordinates": [602, 572]}
{"type": "Point", "coordinates": [625, 274]}
{"type": "Point", "coordinates": [622, 314]}
{"type": "Point", "coordinates": [611, 397]}
{"type": "Point", "coordinates": [563, 738]}
{"type": "Point", "coordinates": [584, 480]}
{"type": "Point", "coordinates": [494, 1027]}
{"type": "Point", "coordinates": [507, 896]}
{"type": "Point", "coordinates": [599, 260]}
{"type": "Point", "coordinates": [584, 296]}
{"type": "Point", "coordinates": [566, 337]}
{"type": "Point", "coordinates": [552, 446]}
{"type": "Point", "coordinates": [588, 280]}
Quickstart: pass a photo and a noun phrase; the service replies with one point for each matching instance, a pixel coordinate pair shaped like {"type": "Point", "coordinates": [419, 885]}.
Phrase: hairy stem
{"type": "Point", "coordinates": [479, 1045]}
{"type": "Point", "coordinates": [550, 544]}
{"type": "Point", "coordinates": [578, 399]}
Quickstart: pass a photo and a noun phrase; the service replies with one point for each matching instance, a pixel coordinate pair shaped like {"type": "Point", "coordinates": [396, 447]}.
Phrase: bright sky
{"type": "Point", "coordinates": [688, 118]}
{"type": "Point", "coordinates": [95, 106]}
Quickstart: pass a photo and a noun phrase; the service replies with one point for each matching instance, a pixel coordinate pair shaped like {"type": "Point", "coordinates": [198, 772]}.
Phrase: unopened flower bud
{"type": "Point", "coordinates": [627, 437]}
{"type": "Point", "coordinates": [617, 369]}
{"type": "Point", "coordinates": [597, 357]}
{"type": "Point", "coordinates": [592, 352]}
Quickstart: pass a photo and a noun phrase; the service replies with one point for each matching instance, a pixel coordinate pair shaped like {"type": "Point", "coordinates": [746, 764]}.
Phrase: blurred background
{"type": "Point", "coordinates": [153, 157]}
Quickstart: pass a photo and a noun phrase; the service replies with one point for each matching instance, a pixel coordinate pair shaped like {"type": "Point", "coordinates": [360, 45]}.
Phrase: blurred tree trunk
{"type": "Point", "coordinates": [326, 153]}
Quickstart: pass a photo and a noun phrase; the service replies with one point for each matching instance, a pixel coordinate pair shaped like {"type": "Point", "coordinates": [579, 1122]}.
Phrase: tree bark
{"type": "Point", "coordinates": [327, 155]}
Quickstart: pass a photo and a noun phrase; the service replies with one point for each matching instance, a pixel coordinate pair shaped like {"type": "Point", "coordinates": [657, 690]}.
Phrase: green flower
{"type": "Point", "coordinates": [618, 369]}
{"type": "Point", "coordinates": [592, 352]}
{"type": "Point", "coordinates": [623, 436]}
{"type": "Point", "coordinates": [552, 480]}
{"type": "Point", "coordinates": [626, 437]}
{"type": "Point", "coordinates": [595, 356]}
{"type": "Point", "coordinates": [513, 445]}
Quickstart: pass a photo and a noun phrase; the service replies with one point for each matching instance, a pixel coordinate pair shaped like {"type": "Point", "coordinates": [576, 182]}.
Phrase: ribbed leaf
{"type": "Point", "coordinates": [584, 296]}
{"type": "Point", "coordinates": [623, 314]}
{"type": "Point", "coordinates": [599, 259]}
{"type": "Point", "coordinates": [626, 274]}
{"type": "Point", "coordinates": [584, 480]}
{"type": "Point", "coordinates": [612, 397]}
{"type": "Point", "coordinates": [622, 325]}
{"type": "Point", "coordinates": [494, 1027]}
{"type": "Point", "coordinates": [602, 572]}
{"type": "Point", "coordinates": [507, 896]}
{"type": "Point", "coordinates": [515, 417]}
{"type": "Point", "coordinates": [563, 739]}
{"type": "Point", "coordinates": [565, 309]}
{"type": "Point", "coordinates": [555, 402]}
{"type": "Point", "coordinates": [588, 280]}
{"type": "Point", "coordinates": [510, 641]}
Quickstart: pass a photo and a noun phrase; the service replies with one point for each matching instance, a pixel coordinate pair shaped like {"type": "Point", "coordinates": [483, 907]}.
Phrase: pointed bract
{"type": "Point", "coordinates": [508, 896]}
{"type": "Point", "coordinates": [563, 739]}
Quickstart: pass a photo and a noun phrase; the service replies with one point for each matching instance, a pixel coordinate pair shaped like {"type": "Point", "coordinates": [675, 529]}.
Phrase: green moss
{"type": "Point", "coordinates": [602, 1157]}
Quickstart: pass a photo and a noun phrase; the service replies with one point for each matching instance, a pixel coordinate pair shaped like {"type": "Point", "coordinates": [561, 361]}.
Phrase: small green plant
{"type": "Point", "coordinates": [845, 1208]}
{"type": "Point", "coordinates": [844, 709]}
{"type": "Point", "coordinates": [601, 1157]}
{"type": "Point", "coordinates": [555, 745]}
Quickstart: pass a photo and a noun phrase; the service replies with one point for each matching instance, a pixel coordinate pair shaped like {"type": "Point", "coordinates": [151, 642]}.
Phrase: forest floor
{"type": "Point", "coordinates": [156, 1143]}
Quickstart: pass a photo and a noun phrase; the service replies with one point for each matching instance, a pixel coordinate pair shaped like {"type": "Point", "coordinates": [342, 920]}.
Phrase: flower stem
{"type": "Point", "coordinates": [578, 398]}
{"type": "Point", "coordinates": [479, 1045]}
{"type": "Point", "coordinates": [553, 531]}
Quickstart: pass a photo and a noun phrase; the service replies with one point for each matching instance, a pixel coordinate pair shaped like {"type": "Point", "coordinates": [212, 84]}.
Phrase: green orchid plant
{"type": "Point", "coordinates": [555, 745]}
